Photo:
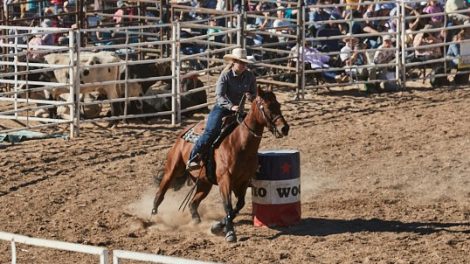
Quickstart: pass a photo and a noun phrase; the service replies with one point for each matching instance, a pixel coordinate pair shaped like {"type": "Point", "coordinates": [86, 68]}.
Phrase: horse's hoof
{"type": "Point", "coordinates": [217, 229]}
{"type": "Point", "coordinates": [231, 237]}
{"type": "Point", "coordinates": [196, 221]}
{"type": "Point", "coordinates": [154, 211]}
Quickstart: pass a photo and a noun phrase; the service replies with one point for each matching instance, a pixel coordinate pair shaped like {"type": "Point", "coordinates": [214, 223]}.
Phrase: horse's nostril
{"type": "Point", "coordinates": [285, 130]}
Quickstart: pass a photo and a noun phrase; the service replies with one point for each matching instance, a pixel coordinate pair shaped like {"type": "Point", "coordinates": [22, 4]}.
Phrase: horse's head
{"type": "Point", "coordinates": [270, 113]}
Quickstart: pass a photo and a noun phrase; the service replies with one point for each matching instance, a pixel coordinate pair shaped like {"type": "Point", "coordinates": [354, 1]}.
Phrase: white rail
{"type": "Point", "coordinates": [130, 255]}
{"type": "Point", "coordinates": [102, 252]}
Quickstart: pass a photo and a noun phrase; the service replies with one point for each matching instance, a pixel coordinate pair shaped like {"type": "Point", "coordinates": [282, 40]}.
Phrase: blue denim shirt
{"type": "Point", "coordinates": [231, 87]}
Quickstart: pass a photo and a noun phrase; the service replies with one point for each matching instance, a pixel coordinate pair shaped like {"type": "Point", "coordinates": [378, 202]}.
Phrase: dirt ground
{"type": "Point", "coordinates": [385, 179]}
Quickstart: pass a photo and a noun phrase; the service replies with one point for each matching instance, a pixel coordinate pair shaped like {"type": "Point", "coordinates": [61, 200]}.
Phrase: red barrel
{"type": "Point", "coordinates": [276, 189]}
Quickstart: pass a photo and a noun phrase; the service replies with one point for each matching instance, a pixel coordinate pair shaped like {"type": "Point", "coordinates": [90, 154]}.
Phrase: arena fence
{"type": "Point", "coordinates": [53, 244]}
{"type": "Point", "coordinates": [198, 45]}
{"type": "Point", "coordinates": [22, 95]}
{"type": "Point", "coordinates": [92, 250]}
{"type": "Point", "coordinates": [130, 255]}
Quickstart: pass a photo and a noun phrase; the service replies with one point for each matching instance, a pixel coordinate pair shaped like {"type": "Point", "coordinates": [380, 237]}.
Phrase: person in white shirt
{"type": "Point", "coordinates": [453, 6]}
{"type": "Point", "coordinates": [281, 26]}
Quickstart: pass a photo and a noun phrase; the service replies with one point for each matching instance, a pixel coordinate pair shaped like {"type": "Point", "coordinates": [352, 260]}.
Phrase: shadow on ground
{"type": "Point", "coordinates": [326, 227]}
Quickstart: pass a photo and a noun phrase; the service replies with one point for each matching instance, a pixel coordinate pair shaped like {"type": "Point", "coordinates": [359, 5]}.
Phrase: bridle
{"type": "Point", "coordinates": [270, 121]}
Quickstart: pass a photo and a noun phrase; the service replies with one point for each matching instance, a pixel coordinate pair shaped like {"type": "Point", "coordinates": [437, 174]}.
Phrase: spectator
{"type": "Point", "coordinates": [262, 23]}
{"type": "Point", "coordinates": [34, 45]}
{"type": "Point", "coordinates": [311, 56]}
{"type": "Point", "coordinates": [317, 15]}
{"type": "Point", "coordinates": [313, 59]}
{"type": "Point", "coordinates": [353, 54]}
{"type": "Point", "coordinates": [454, 49]}
{"type": "Point", "coordinates": [48, 39]}
{"type": "Point", "coordinates": [422, 40]}
{"type": "Point", "coordinates": [433, 7]}
{"type": "Point", "coordinates": [330, 30]}
{"type": "Point", "coordinates": [453, 6]}
{"type": "Point", "coordinates": [454, 54]}
{"type": "Point", "coordinates": [119, 12]}
{"type": "Point", "coordinates": [351, 6]}
{"type": "Point", "coordinates": [213, 30]}
{"type": "Point", "coordinates": [32, 8]}
{"type": "Point", "coordinates": [281, 26]}
{"type": "Point", "coordinates": [66, 17]}
{"type": "Point", "coordinates": [377, 26]}
{"type": "Point", "coordinates": [123, 10]}
{"type": "Point", "coordinates": [57, 4]}
{"type": "Point", "coordinates": [385, 54]}
{"type": "Point", "coordinates": [425, 53]}
{"type": "Point", "coordinates": [103, 37]}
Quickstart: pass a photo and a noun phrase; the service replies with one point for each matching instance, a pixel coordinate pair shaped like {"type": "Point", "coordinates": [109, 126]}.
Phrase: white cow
{"type": "Point", "coordinates": [90, 74]}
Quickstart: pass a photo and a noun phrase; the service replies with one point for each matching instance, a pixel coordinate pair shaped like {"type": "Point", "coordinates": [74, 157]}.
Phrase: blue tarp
{"type": "Point", "coordinates": [22, 135]}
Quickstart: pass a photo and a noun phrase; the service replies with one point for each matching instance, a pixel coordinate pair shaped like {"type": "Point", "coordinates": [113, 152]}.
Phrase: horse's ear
{"type": "Point", "coordinates": [260, 91]}
{"type": "Point", "coordinates": [269, 87]}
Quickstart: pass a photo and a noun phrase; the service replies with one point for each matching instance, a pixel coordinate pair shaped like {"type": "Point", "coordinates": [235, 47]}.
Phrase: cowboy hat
{"type": "Point", "coordinates": [349, 36]}
{"type": "Point", "coordinates": [386, 37]}
{"type": "Point", "coordinates": [237, 54]}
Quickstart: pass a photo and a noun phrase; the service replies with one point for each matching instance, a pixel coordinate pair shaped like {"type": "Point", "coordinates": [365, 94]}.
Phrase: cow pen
{"type": "Point", "coordinates": [196, 47]}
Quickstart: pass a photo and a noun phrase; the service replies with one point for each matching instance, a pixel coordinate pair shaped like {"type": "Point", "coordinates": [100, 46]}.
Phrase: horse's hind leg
{"type": "Point", "coordinates": [174, 167]}
{"type": "Point", "coordinates": [202, 191]}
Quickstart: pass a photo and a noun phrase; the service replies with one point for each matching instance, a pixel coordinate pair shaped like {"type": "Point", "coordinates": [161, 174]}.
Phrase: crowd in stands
{"type": "Point", "coordinates": [361, 32]}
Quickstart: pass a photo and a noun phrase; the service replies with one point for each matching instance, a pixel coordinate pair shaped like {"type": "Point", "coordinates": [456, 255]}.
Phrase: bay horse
{"type": "Point", "coordinates": [236, 162]}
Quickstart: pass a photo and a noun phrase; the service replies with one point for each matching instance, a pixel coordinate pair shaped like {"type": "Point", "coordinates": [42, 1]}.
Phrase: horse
{"type": "Point", "coordinates": [236, 161]}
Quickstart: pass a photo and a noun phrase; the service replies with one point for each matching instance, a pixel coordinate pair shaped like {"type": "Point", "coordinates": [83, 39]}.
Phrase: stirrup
{"type": "Point", "coordinates": [193, 165]}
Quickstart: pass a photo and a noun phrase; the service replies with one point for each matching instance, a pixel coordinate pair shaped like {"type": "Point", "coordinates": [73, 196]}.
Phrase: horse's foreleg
{"type": "Point", "coordinates": [218, 227]}
{"type": "Point", "coordinates": [226, 191]}
{"type": "Point", "coordinates": [202, 191]}
{"type": "Point", "coordinates": [240, 199]}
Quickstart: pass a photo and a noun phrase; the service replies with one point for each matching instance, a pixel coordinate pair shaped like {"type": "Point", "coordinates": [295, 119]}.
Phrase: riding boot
{"type": "Point", "coordinates": [194, 163]}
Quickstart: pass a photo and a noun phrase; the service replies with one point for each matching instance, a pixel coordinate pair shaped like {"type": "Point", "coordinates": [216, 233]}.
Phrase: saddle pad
{"type": "Point", "coordinates": [191, 136]}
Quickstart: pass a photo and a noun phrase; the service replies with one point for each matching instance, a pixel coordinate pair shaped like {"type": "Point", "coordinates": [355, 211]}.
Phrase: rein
{"type": "Point", "coordinates": [269, 121]}
{"type": "Point", "coordinates": [251, 130]}
{"type": "Point", "coordinates": [241, 120]}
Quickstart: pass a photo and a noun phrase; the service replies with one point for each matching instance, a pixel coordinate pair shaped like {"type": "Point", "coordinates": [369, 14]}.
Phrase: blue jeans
{"type": "Point", "coordinates": [211, 131]}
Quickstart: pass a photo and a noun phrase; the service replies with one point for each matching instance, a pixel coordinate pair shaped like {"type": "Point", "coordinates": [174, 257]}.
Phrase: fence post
{"type": "Point", "coordinates": [74, 72]}
{"type": "Point", "coordinates": [175, 67]}
{"type": "Point", "coordinates": [402, 19]}
{"type": "Point", "coordinates": [13, 251]}
{"type": "Point", "coordinates": [15, 87]}
{"type": "Point", "coordinates": [240, 29]}
{"type": "Point", "coordinates": [300, 65]}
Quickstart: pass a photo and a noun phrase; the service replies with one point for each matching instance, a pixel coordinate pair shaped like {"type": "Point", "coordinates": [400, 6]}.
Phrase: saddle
{"type": "Point", "coordinates": [229, 123]}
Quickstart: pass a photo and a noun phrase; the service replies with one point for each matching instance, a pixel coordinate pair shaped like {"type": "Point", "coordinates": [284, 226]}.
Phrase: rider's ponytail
{"type": "Point", "coordinates": [228, 67]}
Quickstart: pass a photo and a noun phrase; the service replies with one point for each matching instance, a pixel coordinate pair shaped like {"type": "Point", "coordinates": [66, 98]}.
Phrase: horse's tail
{"type": "Point", "coordinates": [176, 183]}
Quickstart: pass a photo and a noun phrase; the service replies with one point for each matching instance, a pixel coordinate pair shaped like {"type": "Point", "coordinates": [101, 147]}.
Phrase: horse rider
{"type": "Point", "coordinates": [234, 82]}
